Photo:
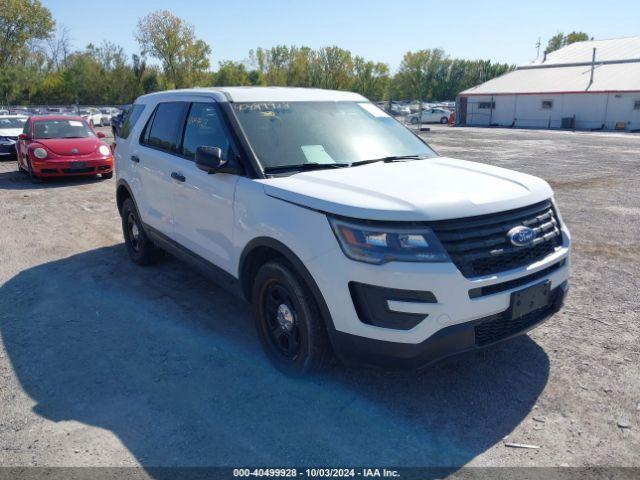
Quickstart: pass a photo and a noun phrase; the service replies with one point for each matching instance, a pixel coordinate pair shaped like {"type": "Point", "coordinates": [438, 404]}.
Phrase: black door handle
{"type": "Point", "coordinates": [135, 159]}
{"type": "Point", "coordinates": [178, 176]}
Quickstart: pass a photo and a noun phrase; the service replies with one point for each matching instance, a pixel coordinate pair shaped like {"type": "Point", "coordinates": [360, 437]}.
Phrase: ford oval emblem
{"type": "Point", "coordinates": [74, 150]}
{"type": "Point", "coordinates": [521, 236]}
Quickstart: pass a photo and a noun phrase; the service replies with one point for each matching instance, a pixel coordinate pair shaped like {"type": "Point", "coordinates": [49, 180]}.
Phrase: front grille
{"type": "Point", "coordinates": [479, 245]}
{"type": "Point", "coordinates": [501, 325]}
{"type": "Point", "coordinates": [516, 282]}
{"type": "Point", "coordinates": [7, 148]}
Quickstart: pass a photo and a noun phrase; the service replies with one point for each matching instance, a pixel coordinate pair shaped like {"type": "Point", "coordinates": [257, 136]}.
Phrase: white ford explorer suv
{"type": "Point", "coordinates": [346, 231]}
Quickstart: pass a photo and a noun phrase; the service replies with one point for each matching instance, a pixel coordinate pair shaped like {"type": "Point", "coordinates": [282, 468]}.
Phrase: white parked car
{"type": "Point", "coordinates": [398, 109]}
{"type": "Point", "coordinates": [107, 114]}
{"type": "Point", "coordinates": [92, 116]}
{"type": "Point", "coordinates": [10, 127]}
{"type": "Point", "coordinates": [346, 231]}
{"type": "Point", "coordinates": [430, 115]}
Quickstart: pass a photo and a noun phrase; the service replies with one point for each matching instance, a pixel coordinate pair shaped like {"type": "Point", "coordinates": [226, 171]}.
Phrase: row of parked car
{"type": "Point", "coordinates": [416, 112]}
{"type": "Point", "coordinates": [98, 117]}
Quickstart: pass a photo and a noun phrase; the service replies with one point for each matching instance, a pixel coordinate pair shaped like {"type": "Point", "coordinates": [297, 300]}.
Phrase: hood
{"type": "Point", "coordinates": [10, 132]}
{"type": "Point", "coordinates": [420, 190]}
{"type": "Point", "coordinates": [63, 146]}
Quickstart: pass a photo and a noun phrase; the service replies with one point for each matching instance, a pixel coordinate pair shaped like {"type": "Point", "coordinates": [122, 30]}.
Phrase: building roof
{"type": "Point", "coordinates": [568, 70]}
{"type": "Point", "coordinates": [606, 50]}
{"type": "Point", "coordinates": [271, 94]}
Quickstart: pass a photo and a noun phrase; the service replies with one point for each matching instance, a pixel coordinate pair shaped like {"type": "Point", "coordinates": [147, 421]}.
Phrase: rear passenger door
{"type": "Point", "coordinates": [153, 158]}
{"type": "Point", "coordinates": [204, 202]}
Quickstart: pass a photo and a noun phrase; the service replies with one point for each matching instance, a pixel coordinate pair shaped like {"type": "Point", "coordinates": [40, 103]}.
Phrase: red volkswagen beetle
{"type": "Point", "coordinates": [56, 146]}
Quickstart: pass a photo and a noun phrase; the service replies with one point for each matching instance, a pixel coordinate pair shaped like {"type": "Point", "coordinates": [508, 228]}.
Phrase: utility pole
{"type": "Point", "coordinates": [538, 47]}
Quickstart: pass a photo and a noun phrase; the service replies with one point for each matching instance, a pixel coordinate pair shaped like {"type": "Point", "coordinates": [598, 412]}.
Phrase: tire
{"type": "Point", "coordinates": [107, 176]}
{"type": "Point", "coordinates": [32, 176]}
{"type": "Point", "coordinates": [288, 320]}
{"type": "Point", "coordinates": [414, 121]}
{"type": "Point", "coordinates": [141, 250]}
{"type": "Point", "coordinates": [444, 120]}
{"type": "Point", "coordinates": [20, 169]}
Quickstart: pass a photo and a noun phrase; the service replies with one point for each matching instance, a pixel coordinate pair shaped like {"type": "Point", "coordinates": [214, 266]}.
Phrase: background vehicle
{"type": "Point", "coordinates": [432, 115]}
{"type": "Point", "coordinates": [343, 228]}
{"type": "Point", "coordinates": [62, 145]}
{"type": "Point", "coordinates": [91, 115]}
{"type": "Point", "coordinates": [10, 127]}
{"type": "Point", "coordinates": [399, 109]}
{"type": "Point", "coordinates": [118, 119]}
{"type": "Point", "coordinates": [107, 114]}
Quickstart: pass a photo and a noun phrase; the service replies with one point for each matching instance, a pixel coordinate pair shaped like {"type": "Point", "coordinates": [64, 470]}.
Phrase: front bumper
{"type": "Point", "coordinates": [71, 167]}
{"type": "Point", "coordinates": [448, 324]}
{"type": "Point", "coordinates": [452, 340]}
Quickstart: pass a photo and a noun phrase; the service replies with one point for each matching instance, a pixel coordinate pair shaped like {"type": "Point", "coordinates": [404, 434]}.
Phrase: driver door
{"type": "Point", "coordinates": [204, 203]}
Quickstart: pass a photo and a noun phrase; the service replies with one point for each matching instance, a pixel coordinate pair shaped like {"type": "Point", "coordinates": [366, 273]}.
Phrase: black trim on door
{"type": "Point", "coordinates": [217, 274]}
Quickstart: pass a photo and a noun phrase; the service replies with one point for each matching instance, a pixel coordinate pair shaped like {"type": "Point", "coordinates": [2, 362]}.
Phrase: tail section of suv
{"type": "Point", "coordinates": [348, 233]}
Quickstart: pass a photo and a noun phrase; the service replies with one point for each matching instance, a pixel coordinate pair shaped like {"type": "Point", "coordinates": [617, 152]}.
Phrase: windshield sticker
{"type": "Point", "coordinates": [75, 123]}
{"type": "Point", "coordinates": [373, 110]}
{"type": "Point", "coordinates": [316, 154]}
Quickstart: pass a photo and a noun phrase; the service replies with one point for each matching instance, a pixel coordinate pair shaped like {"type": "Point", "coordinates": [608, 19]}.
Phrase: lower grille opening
{"type": "Point", "coordinates": [78, 170]}
{"type": "Point", "coordinates": [49, 170]}
{"type": "Point", "coordinates": [500, 326]}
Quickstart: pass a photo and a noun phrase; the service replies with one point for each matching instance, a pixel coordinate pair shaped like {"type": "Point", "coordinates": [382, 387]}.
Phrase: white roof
{"type": "Point", "coordinates": [568, 70]}
{"type": "Point", "coordinates": [271, 94]}
{"type": "Point", "coordinates": [606, 50]}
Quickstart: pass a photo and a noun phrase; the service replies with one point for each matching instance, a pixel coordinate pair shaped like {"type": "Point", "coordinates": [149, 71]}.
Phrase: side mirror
{"type": "Point", "coordinates": [209, 159]}
{"type": "Point", "coordinates": [23, 136]}
{"type": "Point", "coordinates": [100, 135]}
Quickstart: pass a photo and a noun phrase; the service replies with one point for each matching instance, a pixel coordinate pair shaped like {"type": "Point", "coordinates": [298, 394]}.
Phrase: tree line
{"type": "Point", "coordinates": [39, 66]}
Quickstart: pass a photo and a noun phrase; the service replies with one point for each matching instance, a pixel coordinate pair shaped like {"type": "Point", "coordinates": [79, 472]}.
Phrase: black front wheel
{"type": "Point", "coordinates": [107, 176]}
{"type": "Point", "coordinates": [141, 250]}
{"type": "Point", "coordinates": [444, 120]}
{"type": "Point", "coordinates": [288, 320]}
{"type": "Point", "coordinates": [32, 176]}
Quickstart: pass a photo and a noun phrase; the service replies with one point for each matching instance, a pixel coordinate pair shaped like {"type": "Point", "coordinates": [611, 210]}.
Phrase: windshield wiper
{"type": "Point", "coordinates": [392, 158]}
{"type": "Point", "coordinates": [303, 167]}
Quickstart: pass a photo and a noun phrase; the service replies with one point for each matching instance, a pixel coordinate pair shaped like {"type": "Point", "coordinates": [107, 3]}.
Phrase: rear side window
{"type": "Point", "coordinates": [204, 128]}
{"type": "Point", "coordinates": [165, 129]}
{"type": "Point", "coordinates": [130, 119]}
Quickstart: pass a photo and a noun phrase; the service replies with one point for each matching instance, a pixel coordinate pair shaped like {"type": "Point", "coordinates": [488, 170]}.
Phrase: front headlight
{"type": "Point", "coordinates": [104, 150]}
{"type": "Point", "coordinates": [39, 153]}
{"type": "Point", "coordinates": [380, 244]}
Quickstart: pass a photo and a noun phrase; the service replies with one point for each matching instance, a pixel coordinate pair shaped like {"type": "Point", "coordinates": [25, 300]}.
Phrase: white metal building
{"type": "Point", "coordinates": [585, 85]}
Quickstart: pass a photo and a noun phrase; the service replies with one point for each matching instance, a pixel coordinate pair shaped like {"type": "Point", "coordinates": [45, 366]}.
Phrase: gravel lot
{"type": "Point", "coordinates": [105, 363]}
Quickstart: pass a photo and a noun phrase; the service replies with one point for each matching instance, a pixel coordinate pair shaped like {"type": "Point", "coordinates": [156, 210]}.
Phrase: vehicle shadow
{"type": "Point", "coordinates": [170, 363]}
{"type": "Point", "coordinates": [14, 180]}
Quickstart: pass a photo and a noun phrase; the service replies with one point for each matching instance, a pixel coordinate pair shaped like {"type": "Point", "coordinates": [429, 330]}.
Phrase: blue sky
{"type": "Point", "coordinates": [503, 31]}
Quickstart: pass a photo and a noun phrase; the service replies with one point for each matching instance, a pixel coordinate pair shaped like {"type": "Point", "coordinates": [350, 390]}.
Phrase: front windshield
{"type": "Point", "coordinates": [12, 122]}
{"type": "Point", "coordinates": [300, 133]}
{"type": "Point", "coordinates": [61, 129]}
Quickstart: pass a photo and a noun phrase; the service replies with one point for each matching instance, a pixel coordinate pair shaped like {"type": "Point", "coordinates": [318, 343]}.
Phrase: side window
{"type": "Point", "coordinates": [205, 127]}
{"type": "Point", "coordinates": [130, 119]}
{"type": "Point", "coordinates": [27, 128]}
{"type": "Point", "coordinates": [166, 129]}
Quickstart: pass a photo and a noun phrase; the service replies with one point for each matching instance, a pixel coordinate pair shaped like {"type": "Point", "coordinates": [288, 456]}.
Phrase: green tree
{"type": "Point", "coordinates": [231, 73]}
{"type": "Point", "coordinates": [21, 22]}
{"type": "Point", "coordinates": [167, 37]}
{"type": "Point", "coordinates": [371, 79]}
{"type": "Point", "coordinates": [560, 40]}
